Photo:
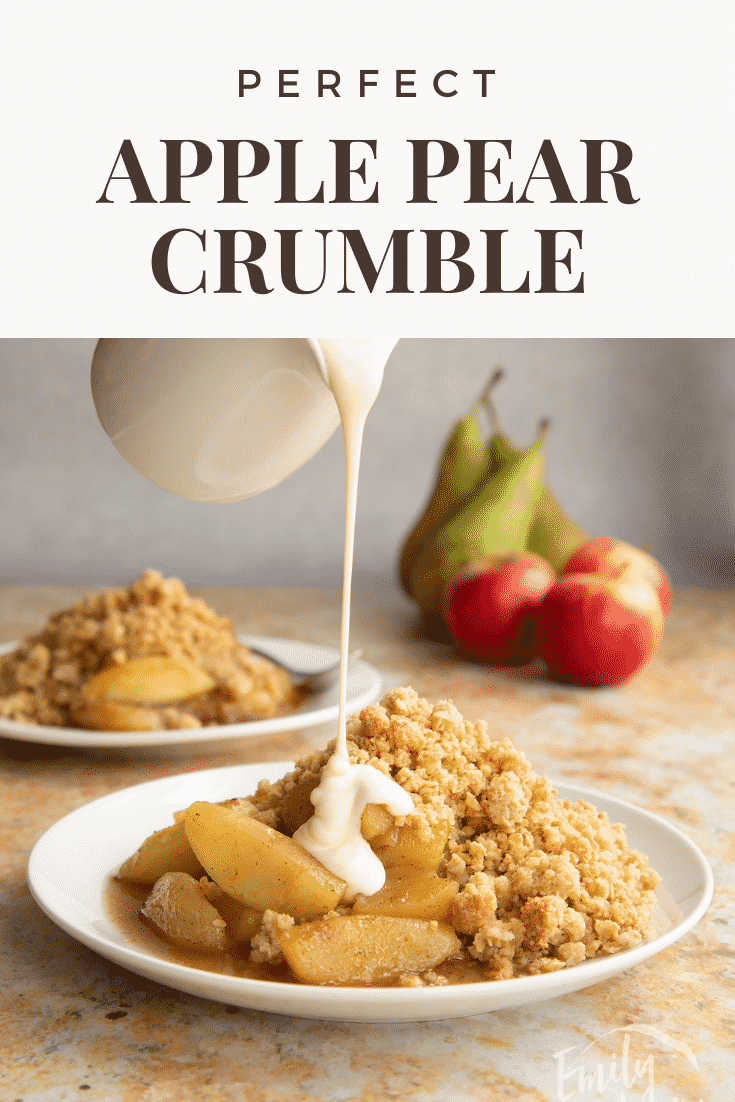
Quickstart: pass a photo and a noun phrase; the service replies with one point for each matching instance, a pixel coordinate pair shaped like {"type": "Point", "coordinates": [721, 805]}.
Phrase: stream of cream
{"type": "Point", "coordinates": [332, 835]}
{"type": "Point", "coordinates": [158, 403]}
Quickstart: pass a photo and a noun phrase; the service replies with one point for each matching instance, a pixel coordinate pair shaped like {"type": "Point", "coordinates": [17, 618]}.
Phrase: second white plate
{"type": "Point", "coordinates": [364, 685]}
{"type": "Point", "coordinates": [71, 863]}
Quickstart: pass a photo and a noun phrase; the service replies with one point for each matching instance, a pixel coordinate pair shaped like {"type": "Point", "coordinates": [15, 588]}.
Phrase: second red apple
{"type": "Point", "coordinates": [613, 558]}
{"type": "Point", "coordinates": [598, 631]}
{"type": "Point", "coordinates": [489, 606]}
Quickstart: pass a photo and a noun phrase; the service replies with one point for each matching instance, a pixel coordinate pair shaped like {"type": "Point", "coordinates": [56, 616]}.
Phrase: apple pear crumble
{"type": "Point", "coordinates": [147, 657]}
{"type": "Point", "coordinates": [492, 875]}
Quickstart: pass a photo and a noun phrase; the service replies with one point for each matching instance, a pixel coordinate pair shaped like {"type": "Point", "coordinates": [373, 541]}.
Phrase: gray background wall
{"type": "Point", "coordinates": [642, 447]}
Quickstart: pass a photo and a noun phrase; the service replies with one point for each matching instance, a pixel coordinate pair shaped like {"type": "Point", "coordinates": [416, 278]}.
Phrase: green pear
{"type": "Point", "coordinates": [495, 520]}
{"type": "Point", "coordinates": [554, 535]}
{"type": "Point", "coordinates": [462, 462]}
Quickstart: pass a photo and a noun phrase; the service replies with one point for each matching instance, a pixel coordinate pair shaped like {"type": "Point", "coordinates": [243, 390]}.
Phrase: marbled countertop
{"type": "Point", "coordinates": [74, 1026]}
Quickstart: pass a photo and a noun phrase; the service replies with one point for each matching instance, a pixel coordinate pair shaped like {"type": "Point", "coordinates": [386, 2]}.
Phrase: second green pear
{"type": "Point", "coordinates": [553, 534]}
{"type": "Point", "coordinates": [496, 520]}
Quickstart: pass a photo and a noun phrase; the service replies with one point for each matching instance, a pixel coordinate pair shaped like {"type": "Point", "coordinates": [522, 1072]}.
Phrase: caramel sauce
{"type": "Point", "coordinates": [123, 901]}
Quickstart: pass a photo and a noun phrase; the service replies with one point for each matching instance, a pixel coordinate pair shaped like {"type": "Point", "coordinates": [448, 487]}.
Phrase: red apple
{"type": "Point", "coordinates": [595, 630]}
{"type": "Point", "coordinates": [614, 559]}
{"type": "Point", "coordinates": [488, 606]}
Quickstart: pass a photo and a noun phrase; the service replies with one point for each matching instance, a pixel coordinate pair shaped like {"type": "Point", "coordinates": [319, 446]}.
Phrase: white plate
{"type": "Point", "coordinates": [70, 866]}
{"type": "Point", "coordinates": [364, 685]}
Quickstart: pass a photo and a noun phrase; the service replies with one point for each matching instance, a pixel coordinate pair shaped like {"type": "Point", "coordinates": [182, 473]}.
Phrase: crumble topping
{"type": "Point", "coordinates": [543, 882]}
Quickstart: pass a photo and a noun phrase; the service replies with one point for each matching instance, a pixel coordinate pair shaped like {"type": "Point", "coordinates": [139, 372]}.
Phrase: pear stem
{"type": "Point", "coordinates": [492, 382]}
{"type": "Point", "coordinates": [543, 427]}
{"type": "Point", "coordinates": [483, 402]}
{"type": "Point", "coordinates": [486, 403]}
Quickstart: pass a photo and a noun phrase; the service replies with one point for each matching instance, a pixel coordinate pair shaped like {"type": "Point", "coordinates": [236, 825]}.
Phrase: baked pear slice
{"type": "Point", "coordinates": [167, 850]}
{"type": "Point", "coordinates": [365, 949]}
{"type": "Point", "coordinates": [409, 893]}
{"type": "Point", "coordinates": [414, 845]}
{"type": "Point", "coordinates": [258, 865]}
{"type": "Point", "coordinates": [125, 697]}
{"type": "Point", "coordinates": [183, 915]}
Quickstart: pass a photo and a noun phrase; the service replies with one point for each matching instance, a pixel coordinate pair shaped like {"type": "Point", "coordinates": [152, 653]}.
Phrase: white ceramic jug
{"type": "Point", "coordinates": [223, 419]}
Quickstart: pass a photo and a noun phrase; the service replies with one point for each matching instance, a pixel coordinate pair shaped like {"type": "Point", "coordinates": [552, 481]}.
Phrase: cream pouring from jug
{"type": "Point", "coordinates": [332, 834]}
{"type": "Point", "coordinates": [221, 420]}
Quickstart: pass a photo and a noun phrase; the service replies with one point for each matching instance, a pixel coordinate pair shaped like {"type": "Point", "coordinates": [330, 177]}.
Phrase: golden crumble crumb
{"type": "Point", "coordinates": [434, 979]}
{"type": "Point", "coordinates": [430, 978]}
{"type": "Point", "coordinates": [409, 979]}
{"type": "Point", "coordinates": [265, 947]}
